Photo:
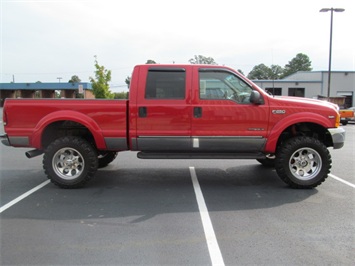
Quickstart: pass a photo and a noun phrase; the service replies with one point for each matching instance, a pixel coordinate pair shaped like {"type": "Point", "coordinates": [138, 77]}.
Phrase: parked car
{"type": "Point", "coordinates": [347, 115]}
{"type": "Point", "coordinates": [352, 118]}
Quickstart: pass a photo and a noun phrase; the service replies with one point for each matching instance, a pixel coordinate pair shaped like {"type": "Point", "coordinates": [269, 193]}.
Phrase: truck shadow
{"type": "Point", "coordinates": [144, 193]}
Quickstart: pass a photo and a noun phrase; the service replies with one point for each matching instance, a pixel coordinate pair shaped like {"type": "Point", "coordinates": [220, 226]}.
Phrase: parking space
{"type": "Point", "coordinates": [146, 212]}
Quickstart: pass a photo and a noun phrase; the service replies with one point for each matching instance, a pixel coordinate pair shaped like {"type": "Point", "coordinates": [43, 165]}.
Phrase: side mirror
{"type": "Point", "coordinates": [256, 98]}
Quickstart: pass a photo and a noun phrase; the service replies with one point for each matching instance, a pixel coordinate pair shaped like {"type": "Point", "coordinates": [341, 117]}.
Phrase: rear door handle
{"type": "Point", "coordinates": [197, 112]}
{"type": "Point", "coordinates": [142, 111]}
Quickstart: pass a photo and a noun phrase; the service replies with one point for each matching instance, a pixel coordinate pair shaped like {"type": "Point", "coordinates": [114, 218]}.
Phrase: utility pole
{"type": "Point", "coordinates": [330, 44]}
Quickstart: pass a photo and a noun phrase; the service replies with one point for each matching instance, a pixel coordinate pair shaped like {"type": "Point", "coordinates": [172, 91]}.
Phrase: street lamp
{"type": "Point", "coordinates": [331, 36]}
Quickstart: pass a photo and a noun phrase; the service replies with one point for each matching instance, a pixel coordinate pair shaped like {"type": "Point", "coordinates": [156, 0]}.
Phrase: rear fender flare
{"type": "Point", "coordinates": [74, 116]}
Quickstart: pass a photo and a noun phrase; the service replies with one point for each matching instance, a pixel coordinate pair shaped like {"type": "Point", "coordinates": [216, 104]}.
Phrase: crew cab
{"type": "Point", "coordinates": [178, 112]}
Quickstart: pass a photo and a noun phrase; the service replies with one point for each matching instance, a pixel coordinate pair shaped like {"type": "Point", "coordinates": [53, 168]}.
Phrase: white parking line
{"type": "Point", "coordinates": [213, 248]}
{"type": "Point", "coordinates": [342, 180]}
{"type": "Point", "coordinates": [18, 199]}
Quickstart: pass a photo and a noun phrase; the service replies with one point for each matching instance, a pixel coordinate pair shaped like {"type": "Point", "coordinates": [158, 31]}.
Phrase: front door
{"type": "Point", "coordinates": [224, 119]}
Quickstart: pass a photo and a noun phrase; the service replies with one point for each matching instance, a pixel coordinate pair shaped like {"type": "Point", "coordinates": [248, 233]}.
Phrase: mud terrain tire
{"type": "Point", "coordinates": [69, 162]}
{"type": "Point", "coordinates": [303, 162]}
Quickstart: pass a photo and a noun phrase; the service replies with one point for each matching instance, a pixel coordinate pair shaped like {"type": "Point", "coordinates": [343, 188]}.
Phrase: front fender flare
{"type": "Point", "coordinates": [304, 117]}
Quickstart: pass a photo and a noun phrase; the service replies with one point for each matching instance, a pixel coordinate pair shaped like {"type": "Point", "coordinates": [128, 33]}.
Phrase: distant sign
{"type": "Point", "coordinates": [81, 89]}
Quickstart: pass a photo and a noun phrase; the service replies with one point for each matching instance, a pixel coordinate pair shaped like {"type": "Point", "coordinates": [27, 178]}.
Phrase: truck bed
{"type": "Point", "coordinates": [25, 117]}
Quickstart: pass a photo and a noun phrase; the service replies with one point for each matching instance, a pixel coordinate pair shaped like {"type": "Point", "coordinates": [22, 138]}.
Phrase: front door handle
{"type": "Point", "coordinates": [142, 111]}
{"type": "Point", "coordinates": [197, 112]}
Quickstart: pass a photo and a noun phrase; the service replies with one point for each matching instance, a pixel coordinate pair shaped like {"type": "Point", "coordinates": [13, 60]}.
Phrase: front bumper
{"type": "Point", "coordinates": [5, 140]}
{"type": "Point", "coordinates": [338, 137]}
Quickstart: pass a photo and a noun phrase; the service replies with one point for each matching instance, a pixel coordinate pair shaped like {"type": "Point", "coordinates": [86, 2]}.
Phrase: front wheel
{"type": "Point", "coordinates": [70, 162]}
{"type": "Point", "coordinates": [303, 162]}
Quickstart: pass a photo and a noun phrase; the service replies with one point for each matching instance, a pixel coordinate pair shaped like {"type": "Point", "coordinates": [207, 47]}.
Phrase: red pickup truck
{"type": "Point", "coordinates": [178, 112]}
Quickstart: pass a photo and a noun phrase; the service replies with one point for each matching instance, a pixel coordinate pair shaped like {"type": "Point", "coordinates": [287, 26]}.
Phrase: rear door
{"type": "Point", "coordinates": [164, 110]}
{"type": "Point", "coordinates": [223, 119]}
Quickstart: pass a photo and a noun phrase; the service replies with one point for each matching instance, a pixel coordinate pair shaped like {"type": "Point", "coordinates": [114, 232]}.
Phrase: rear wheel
{"type": "Point", "coordinates": [70, 162]}
{"type": "Point", "coordinates": [303, 162]}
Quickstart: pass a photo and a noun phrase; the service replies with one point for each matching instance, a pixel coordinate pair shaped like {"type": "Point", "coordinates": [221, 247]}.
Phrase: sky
{"type": "Point", "coordinates": [52, 40]}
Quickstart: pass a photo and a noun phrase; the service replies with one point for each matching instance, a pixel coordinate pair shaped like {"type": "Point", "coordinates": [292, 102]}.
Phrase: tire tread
{"type": "Point", "coordinates": [85, 148]}
{"type": "Point", "coordinates": [282, 159]}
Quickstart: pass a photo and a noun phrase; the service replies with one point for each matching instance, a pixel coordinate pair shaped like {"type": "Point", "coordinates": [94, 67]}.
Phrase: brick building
{"type": "Point", "coordinates": [45, 90]}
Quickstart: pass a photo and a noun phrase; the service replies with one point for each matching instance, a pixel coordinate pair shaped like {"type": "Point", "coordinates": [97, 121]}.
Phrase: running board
{"type": "Point", "coordinates": [209, 155]}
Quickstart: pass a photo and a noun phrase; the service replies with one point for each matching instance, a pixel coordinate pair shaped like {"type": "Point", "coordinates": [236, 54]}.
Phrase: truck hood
{"type": "Point", "coordinates": [306, 102]}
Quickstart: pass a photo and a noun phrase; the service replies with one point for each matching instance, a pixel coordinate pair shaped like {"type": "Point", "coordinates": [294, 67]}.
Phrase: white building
{"type": "Point", "coordinates": [311, 84]}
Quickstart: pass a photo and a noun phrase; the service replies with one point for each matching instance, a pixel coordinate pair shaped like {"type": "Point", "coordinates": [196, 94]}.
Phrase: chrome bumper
{"type": "Point", "coordinates": [338, 137]}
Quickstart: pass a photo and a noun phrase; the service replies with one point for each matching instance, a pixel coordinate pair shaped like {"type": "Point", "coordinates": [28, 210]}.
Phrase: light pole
{"type": "Point", "coordinates": [331, 37]}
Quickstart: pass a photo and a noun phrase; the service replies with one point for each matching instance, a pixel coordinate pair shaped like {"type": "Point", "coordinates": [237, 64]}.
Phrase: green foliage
{"type": "Point", "coordinates": [120, 95]}
{"type": "Point", "coordinates": [200, 59]}
{"type": "Point", "coordinates": [100, 86]}
{"type": "Point", "coordinates": [276, 72]}
{"type": "Point", "coordinates": [299, 63]}
{"type": "Point", "coordinates": [150, 61]}
{"type": "Point", "coordinates": [128, 81]}
{"type": "Point", "coordinates": [262, 72]}
{"type": "Point", "coordinates": [74, 79]}
{"type": "Point", "coordinates": [267, 73]}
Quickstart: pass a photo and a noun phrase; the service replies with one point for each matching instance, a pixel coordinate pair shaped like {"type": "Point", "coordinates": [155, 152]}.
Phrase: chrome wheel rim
{"type": "Point", "coordinates": [68, 163]}
{"type": "Point", "coordinates": [305, 164]}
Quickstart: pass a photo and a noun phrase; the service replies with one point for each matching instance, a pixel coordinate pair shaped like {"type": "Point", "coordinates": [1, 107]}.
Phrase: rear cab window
{"type": "Point", "coordinates": [165, 84]}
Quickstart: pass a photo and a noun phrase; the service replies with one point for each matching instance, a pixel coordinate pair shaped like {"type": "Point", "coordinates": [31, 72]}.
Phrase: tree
{"type": "Point", "coordinates": [260, 71]}
{"type": "Point", "coordinates": [128, 81]}
{"type": "Point", "coordinates": [128, 78]}
{"type": "Point", "coordinates": [276, 72]}
{"type": "Point", "coordinates": [299, 63]}
{"type": "Point", "coordinates": [241, 72]}
{"type": "Point", "coordinates": [120, 95]}
{"type": "Point", "coordinates": [74, 79]}
{"type": "Point", "coordinates": [200, 59]}
{"type": "Point", "coordinates": [150, 61]}
{"type": "Point", "coordinates": [100, 86]}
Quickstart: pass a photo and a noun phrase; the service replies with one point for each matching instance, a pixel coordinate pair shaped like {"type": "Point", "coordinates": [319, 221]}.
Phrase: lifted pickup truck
{"type": "Point", "coordinates": [178, 112]}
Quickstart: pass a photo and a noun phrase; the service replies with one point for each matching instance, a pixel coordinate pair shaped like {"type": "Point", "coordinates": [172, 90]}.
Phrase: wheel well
{"type": "Point", "coordinates": [306, 129]}
{"type": "Point", "coordinates": [65, 128]}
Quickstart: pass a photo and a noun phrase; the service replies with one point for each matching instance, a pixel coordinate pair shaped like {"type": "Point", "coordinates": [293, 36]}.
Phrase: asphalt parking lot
{"type": "Point", "coordinates": [177, 212]}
